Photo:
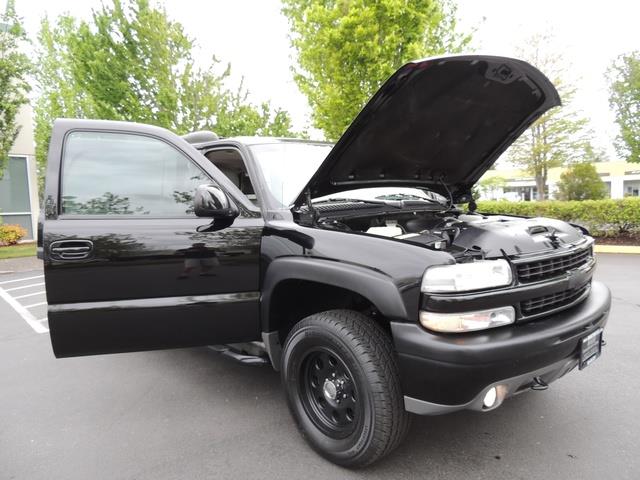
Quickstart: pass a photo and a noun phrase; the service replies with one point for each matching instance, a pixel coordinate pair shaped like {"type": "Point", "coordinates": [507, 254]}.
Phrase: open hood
{"type": "Point", "coordinates": [438, 123]}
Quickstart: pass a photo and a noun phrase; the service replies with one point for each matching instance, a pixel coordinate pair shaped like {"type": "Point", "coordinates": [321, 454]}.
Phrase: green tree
{"type": "Point", "coordinates": [624, 98]}
{"type": "Point", "coordinates": [488, 186]}
{"type": "Point", "coordinates": [560, 135]}
{"type": "Point", "coordinates": [14, 68]}
{"type": "Point", "coordinates": [206, 104]}
{"type": "Point", "coordinates": [237, 117]}
{"type": "Point", "coordinates": [131, 62]}
{"type": "Point", "coordinates": [60, 95]}
{"type": "Point", "coordinates": [581, 182]}
{"type": "Point", "coordinates": [347, 48]}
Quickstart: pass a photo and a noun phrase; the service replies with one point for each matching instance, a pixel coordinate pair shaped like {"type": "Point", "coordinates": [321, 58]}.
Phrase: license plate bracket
{"type": "Point", "coordinates": [590, 348]}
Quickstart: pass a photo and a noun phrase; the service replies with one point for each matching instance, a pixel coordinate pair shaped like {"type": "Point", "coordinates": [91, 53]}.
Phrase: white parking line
{"type": "Point", "coordinates": [24, 286]}
{"type": "Point", "coordinates": [29, 295]}
{"type": "Point", "coordinates": [35, 304]}
{"type": "Point", "coordinates": [21, 279]}
{"type": "Point", "coordinates": [32, 321]}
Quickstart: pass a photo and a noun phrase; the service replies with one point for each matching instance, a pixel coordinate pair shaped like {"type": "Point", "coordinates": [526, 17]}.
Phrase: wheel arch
{"type": "Point", "coordinates": [315, 285]}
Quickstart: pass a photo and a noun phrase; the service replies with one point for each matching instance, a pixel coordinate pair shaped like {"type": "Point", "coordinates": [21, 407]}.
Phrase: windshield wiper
{"type": "Point", "coordinates": [386, 203]}
{"type": "Point", "coordinates": [359, 200]}
{"type": "Point", "coordinates": [391, 202]}
{"type": "Point", "coordinates": [400, 197]}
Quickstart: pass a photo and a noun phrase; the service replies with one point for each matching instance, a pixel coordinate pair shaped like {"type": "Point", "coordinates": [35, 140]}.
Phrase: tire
{"type": "Point", "coordinates": [343, 389]}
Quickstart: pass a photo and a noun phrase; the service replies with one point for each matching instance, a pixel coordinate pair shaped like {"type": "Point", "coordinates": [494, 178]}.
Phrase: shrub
{"type": "Point", "coordinates": [581, 182]}
{"type": "Point", "coordinates": [600, 217]}
{"type": "Point", "coordinates": [11, 234]}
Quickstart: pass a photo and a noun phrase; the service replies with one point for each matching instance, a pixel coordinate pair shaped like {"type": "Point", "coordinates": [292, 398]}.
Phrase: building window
{"type": "Point", "coordinates": [15, 206]}
{"type": "Point", "coordinates": [520, 193]}
{"type": "Point", "coordinates": [632, 188]}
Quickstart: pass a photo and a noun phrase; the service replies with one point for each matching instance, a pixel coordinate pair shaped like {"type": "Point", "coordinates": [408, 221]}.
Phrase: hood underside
{"type": "Point", "coordinates": [438, 123]}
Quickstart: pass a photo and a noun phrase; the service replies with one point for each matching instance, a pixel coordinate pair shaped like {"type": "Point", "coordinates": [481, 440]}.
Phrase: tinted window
{"type": "Point", "coordinates": [119, 174]}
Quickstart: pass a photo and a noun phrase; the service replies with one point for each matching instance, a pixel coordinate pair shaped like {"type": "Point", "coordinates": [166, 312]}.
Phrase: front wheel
{"type": "Point", "coordinates": [343, 389]}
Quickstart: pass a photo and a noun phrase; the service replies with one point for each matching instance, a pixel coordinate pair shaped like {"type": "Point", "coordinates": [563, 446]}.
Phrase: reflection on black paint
{"type": "Point", "coordinates": [199, 260]}
{"type": "Point", "coordinates": [110, 246]}
{"type": "Point", "coordinates": [114, 245]}
{"type": "Point", "coordinates": [229, 238]}
{"type": "Point", "coordinates": [146, 258]}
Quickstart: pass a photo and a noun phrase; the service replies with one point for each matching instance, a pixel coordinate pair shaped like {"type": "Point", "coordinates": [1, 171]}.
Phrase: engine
{"type": "Point", "coordinates": [463, 235]}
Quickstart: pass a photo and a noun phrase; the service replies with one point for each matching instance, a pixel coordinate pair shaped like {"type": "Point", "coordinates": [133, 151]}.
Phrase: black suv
{"type": "Point", "coordinates": [347, 267]}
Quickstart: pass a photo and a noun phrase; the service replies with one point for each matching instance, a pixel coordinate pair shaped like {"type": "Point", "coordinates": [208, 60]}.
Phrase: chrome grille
{"type": "Point", "coordinates": [546, 303]}
{"type": "Point", "coordinates": [552, 267]}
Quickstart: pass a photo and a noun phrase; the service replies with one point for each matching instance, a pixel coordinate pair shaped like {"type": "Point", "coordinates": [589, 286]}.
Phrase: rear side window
{"type": "Point", "coordinates": [126, 174]}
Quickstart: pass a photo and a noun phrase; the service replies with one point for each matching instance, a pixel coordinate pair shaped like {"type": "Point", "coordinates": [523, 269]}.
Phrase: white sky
{"type": "Point", "coordinates": [252, 35]}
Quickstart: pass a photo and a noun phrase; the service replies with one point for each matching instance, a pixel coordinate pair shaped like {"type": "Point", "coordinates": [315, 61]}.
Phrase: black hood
{"type": "Point", "coordinates": [438, 123]}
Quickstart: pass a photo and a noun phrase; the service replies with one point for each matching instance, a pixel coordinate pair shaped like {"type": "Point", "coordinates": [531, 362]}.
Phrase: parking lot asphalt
{"type": "Point", "coordinates": [193, 414]}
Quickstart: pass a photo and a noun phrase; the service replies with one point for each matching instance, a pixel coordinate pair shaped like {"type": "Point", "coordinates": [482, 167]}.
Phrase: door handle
{"type": "Point", "coordinates": [70, 249]}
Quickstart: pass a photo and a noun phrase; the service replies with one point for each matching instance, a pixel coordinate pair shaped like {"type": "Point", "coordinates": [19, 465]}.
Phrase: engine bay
{"type": "Point", "coordinates": [430, 229]}
{"type": "Point", "coordinates": [466, 236]}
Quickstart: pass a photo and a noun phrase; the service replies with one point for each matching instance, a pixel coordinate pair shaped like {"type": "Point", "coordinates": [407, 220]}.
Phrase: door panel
{"type": "Point", "coordinates": [149, 280]}
{"type": "Point", "coordinates": [113, 328]}
{"type": "Point", "coordinates": [153, 258]}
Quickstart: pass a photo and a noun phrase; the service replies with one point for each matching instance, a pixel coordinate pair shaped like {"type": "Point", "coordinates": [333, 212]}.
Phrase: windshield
{"type": "Point", "coordinates": [288, 166]}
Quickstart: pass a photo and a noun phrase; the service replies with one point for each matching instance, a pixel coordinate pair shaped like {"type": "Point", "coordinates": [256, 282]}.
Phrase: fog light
{"type": "Point", "coordinates": [490, 398]}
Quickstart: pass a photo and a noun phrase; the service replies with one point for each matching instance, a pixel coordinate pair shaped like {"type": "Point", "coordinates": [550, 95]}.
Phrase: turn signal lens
{"type": "Point", "coordinates": [467, 321]}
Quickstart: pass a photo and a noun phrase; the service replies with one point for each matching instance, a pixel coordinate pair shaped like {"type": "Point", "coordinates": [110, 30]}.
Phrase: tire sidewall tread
{"type": "Point", "coordinates": [367, 350]}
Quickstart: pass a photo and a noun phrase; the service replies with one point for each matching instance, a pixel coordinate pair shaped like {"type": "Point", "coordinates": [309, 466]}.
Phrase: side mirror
{"type": "Point", "coordinates": [211, 202]}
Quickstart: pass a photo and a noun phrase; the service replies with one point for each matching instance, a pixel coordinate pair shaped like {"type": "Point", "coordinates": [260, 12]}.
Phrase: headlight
{"type": "Point", "coordinates": [467, 321]}
{"type": "Point", "coordinates": [463, 277]}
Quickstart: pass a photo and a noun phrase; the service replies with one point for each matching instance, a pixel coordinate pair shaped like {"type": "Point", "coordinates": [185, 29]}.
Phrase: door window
{"type": "Point", "coordinates": [126, 174]}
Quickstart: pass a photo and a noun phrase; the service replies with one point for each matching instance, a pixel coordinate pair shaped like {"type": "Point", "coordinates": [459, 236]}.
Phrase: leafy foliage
{"type": "Point", "coordinates": [486, 186]}
{"type": "Point", "coordinates": [581, 182]}
{"type": "Point", "coordinates": [107, 204]}
{"type": "Point", "coordinates": [348, 48]}
{"type": "Point", "coordinates": [60, 95]}
{"type": "Point", "coordinates": [14, 68]}
{"type": "Point", "coordinates": [131, 62]}
{"type": "Point", "coordinates": [11, 234]}
{"type": "Point", "coordinates": [602, 217]}
{"type": "Point", "coordinates": [557, 137]}
{"type": "Point", "coordinates": [624, 99]}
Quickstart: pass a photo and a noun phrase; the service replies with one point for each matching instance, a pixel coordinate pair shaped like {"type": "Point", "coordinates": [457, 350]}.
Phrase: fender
{"type": "Point", "coordinates": [373, 285]}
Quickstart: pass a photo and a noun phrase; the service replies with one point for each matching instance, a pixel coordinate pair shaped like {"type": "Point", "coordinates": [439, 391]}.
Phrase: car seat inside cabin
{"type": "Point", "coordinates": [230, 162]}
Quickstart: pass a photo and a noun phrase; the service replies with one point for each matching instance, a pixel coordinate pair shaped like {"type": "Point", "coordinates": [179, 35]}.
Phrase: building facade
{"type": "Point", "coordinates": [19, 183]}
{"type": "Point", "coordinates": [622, 179]}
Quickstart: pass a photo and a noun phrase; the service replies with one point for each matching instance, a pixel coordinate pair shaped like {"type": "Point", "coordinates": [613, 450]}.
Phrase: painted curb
{"type": "Point", "coordinates": [616, 249]}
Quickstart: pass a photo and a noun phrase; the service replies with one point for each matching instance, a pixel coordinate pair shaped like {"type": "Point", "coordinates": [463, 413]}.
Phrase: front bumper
{"type": "Point", "coordinates": [441, 373]}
